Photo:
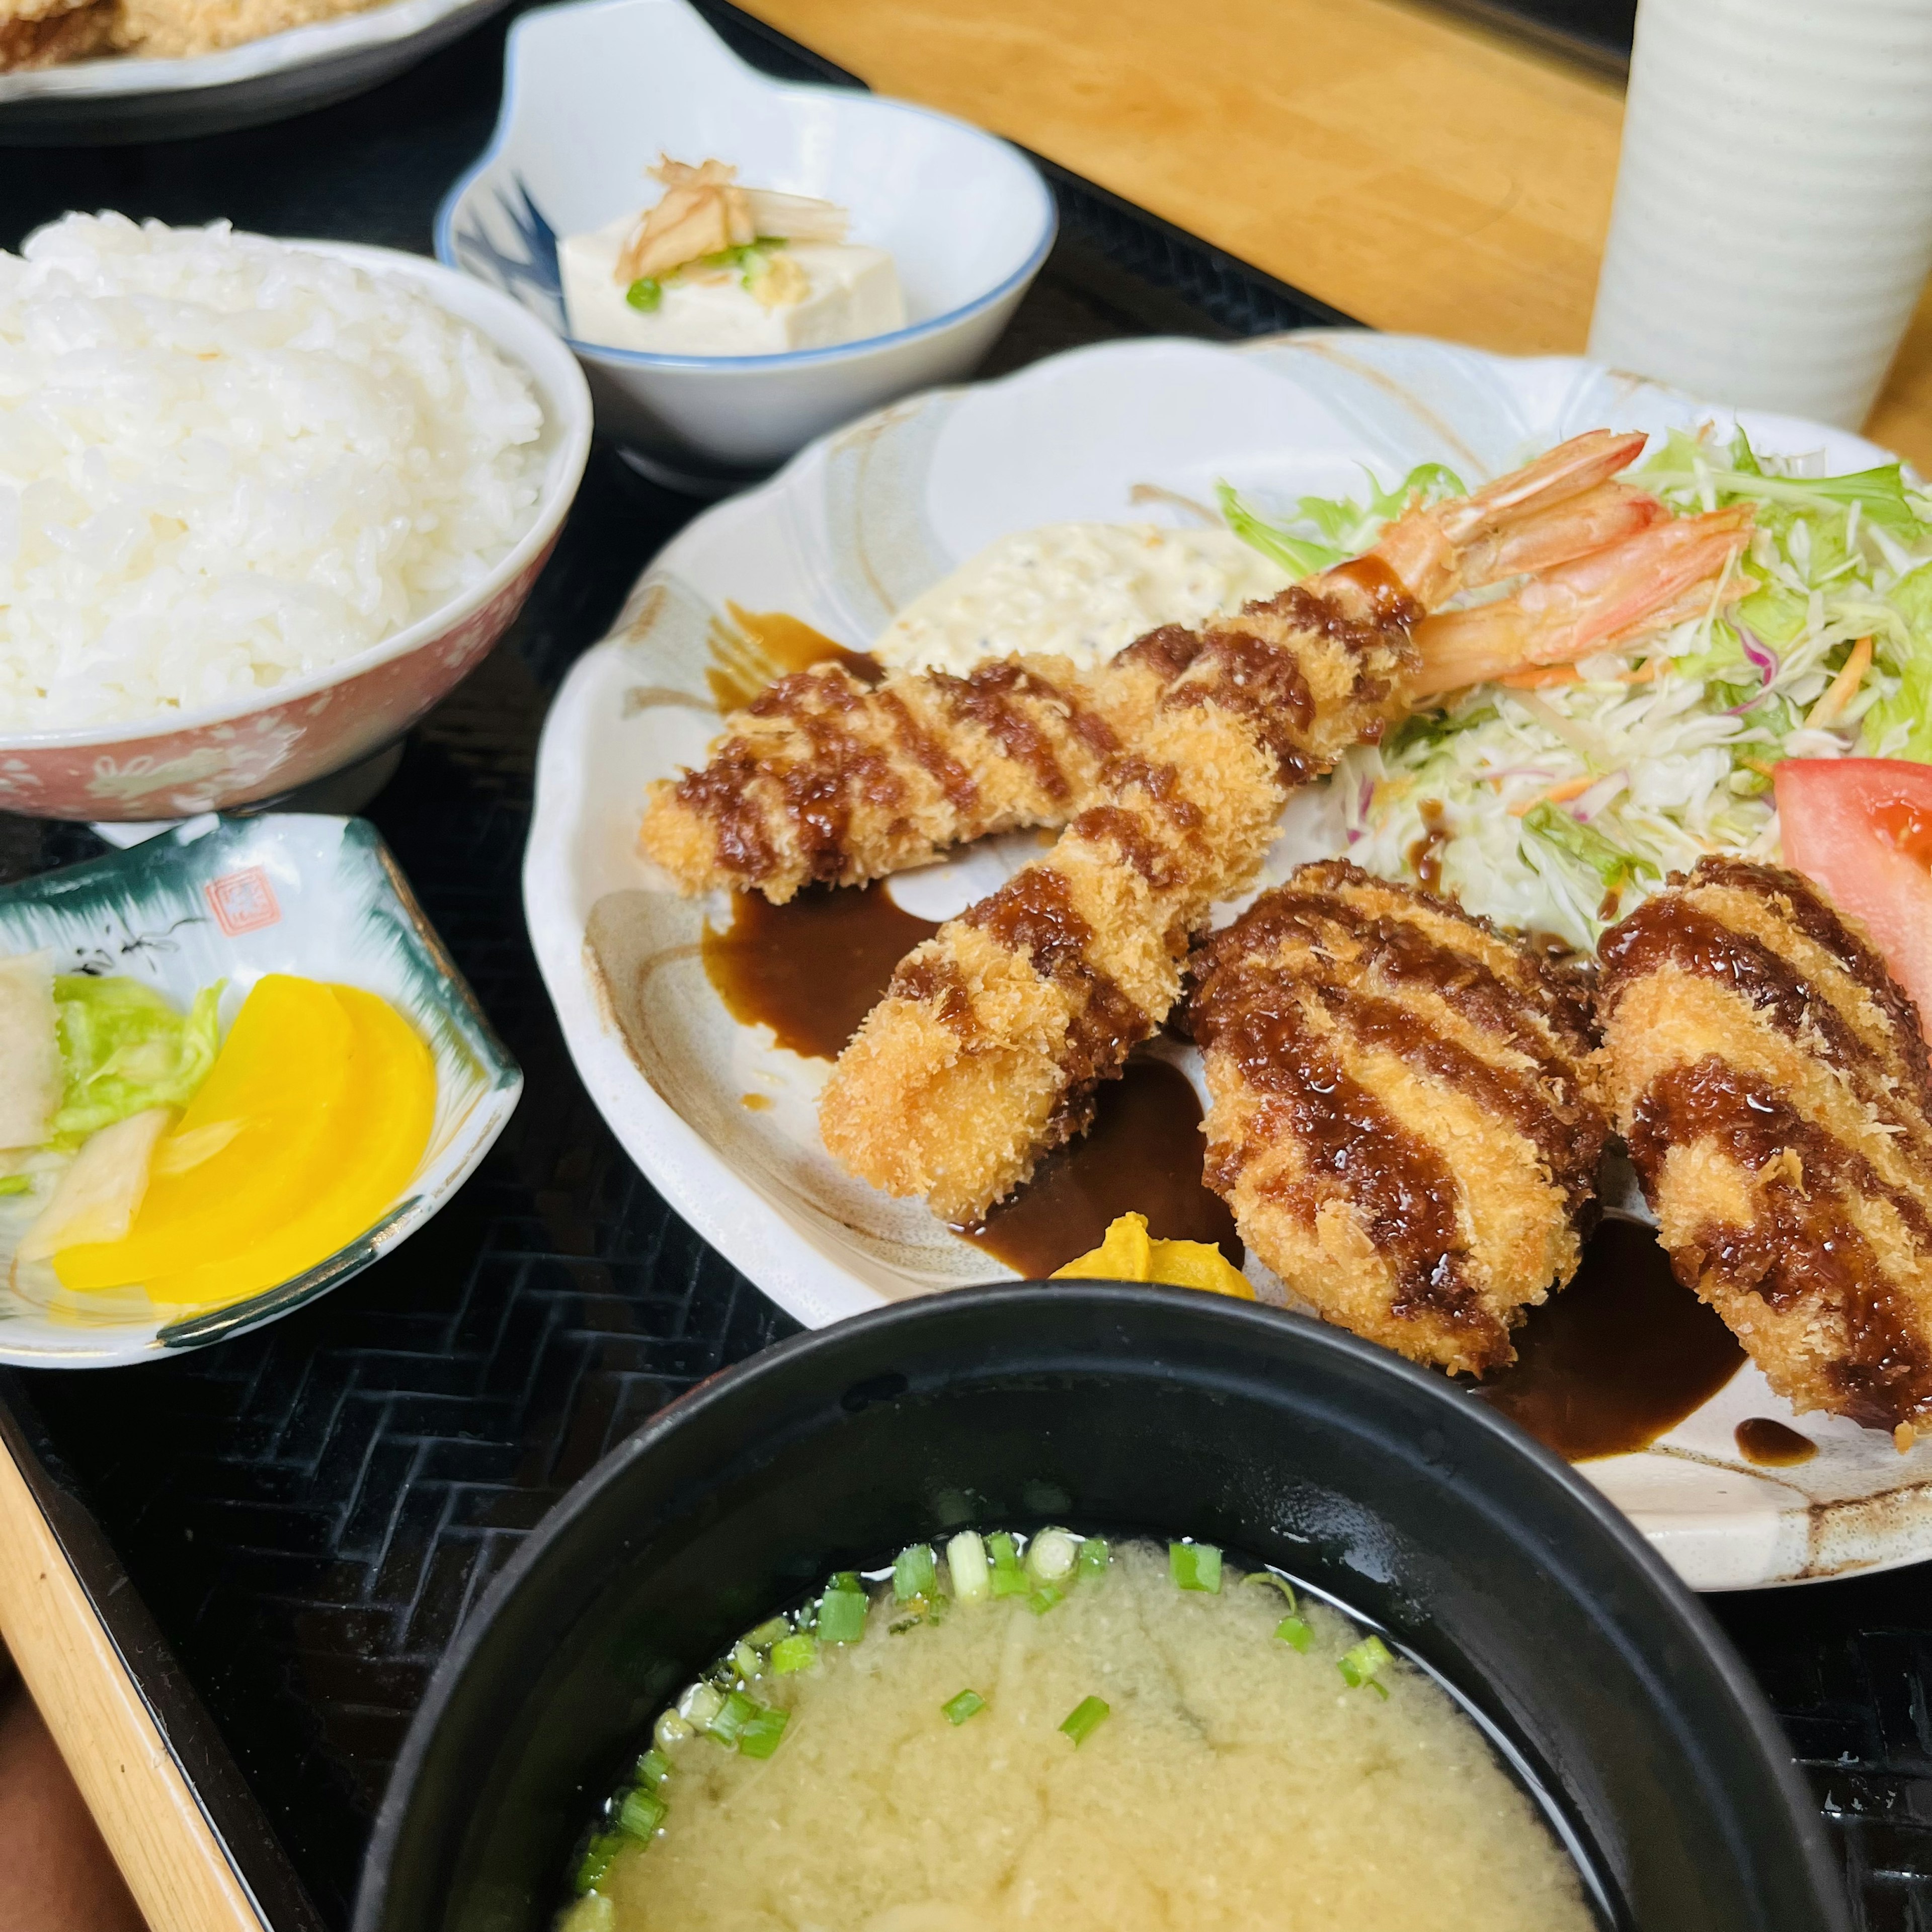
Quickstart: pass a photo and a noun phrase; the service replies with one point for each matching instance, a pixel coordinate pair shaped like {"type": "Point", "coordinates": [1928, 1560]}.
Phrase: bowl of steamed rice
{"type": "Point", "coordinates": [262, 505]}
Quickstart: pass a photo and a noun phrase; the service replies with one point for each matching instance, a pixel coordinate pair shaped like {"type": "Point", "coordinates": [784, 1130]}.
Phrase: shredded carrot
{"type": "Point", "coordinates": [1557, 794]}
{"type": "Point", "coordinates": [1539, 675]}
{"type": "Point", "coordinates": [1844, 687]}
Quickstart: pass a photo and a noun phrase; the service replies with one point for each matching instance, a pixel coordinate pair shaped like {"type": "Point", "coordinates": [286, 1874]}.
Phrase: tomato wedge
{"type": "Point", "coordinates": [1862, 829]}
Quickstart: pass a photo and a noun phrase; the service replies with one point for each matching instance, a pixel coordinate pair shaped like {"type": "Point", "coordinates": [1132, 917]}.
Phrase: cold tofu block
{"type": "Point", "coordinates": [853, 292]}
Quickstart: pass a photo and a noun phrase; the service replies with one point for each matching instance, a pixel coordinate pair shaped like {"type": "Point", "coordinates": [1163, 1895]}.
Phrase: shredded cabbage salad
{"type": "Point", "coordinates": [1557, 808]}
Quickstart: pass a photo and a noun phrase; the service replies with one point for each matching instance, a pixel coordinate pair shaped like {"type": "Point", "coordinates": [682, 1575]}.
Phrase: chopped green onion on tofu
{"type": "Point", "coordinates": [967, 1704]}
{"type": "Point", "coordinates": [744, 1660]}
{"type": "Point", "coordinates": [1196, 1566]}
{"type": "Point", "coordinates": [1294, 1633]}
{"type": "Point", "coordinates": [773, 1630]}
{"type": "Point", "coordinates": [671, 1730]}
{"type": "Point", "coordinates": [1043, 1599]}
{"type": "Point", "coordinates": [1085, 1719]}
{"type": "Point", "coordinates": [1094, 1557]}
{"type": "Point", "coordinates": [651, 1769]}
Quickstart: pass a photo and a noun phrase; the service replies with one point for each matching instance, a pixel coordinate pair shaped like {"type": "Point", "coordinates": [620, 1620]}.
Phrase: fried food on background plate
{"type": "Point", "coordinates": [1771, 1081]}
{"type": "Point", "coordinates": [47, 33]}
{"type": "Point", "coordinates": [1402, 1110]}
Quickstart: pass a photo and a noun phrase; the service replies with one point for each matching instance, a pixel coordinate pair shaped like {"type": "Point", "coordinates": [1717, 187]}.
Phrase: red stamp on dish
{"type": "Point", "coordinates": [243, 902]}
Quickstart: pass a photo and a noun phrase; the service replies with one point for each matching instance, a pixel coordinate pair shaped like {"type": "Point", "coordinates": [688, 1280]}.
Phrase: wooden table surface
{"type": "Point", "coordinates": [1417, 171]}
{"type": "Point", "coordinates": [1414, 170]}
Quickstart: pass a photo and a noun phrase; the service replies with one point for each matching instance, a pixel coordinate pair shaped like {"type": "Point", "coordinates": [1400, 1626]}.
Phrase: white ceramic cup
{"type": "Point", "coordinates": [1773, 221]}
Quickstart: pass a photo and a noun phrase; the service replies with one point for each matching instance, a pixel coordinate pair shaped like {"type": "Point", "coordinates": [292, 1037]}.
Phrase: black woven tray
{"type": "Point", "coordinates": [282, 1533]}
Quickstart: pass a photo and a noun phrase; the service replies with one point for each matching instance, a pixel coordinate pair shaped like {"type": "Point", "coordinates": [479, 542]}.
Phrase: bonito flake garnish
{"type": "Point", "coordinates": [704, 212]}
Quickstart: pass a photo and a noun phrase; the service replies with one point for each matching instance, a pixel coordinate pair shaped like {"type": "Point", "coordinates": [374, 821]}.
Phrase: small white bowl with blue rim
{"type": "Point", "coordinates": [594, 92]}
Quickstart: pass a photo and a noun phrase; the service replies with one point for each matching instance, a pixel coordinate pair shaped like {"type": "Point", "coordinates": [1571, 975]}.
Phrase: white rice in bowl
{"type": "Point", "coordinates": [225, 463]}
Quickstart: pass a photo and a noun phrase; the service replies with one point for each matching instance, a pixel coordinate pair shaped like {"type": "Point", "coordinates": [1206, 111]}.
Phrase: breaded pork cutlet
{"type": "Point", "coordinates": [47, 33]}
{"type": "Point", "coordinates": [1403, 1111]}
{"type": "Point", "coordinates": [1770, 1079]}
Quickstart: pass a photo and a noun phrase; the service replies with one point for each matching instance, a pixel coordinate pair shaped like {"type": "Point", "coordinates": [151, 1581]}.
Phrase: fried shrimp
{"type": "Point", "coordinates": [985, 1051]}
{"type": "Point", "coordinates": [823, 779]}
{"type": "Point", "coordinates": [1403, 1111]}
{"type": "Point", "coordinates": [1770, 1079]}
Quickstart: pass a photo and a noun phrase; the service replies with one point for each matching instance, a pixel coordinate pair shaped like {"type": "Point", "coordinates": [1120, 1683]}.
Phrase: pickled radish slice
{"type": "Point", "coordinates": [305, 1133]}
{"type": "Point", "coordinates": [392, 1089]}
{"type": "Point", "coordinates": [282, 1073]}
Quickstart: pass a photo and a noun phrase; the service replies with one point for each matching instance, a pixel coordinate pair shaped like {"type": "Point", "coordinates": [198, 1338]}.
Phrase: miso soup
{"type": "Point", "coordinates": [1002, 1737]}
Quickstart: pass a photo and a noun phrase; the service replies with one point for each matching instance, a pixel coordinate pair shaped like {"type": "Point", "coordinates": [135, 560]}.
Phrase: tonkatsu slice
{"type": "Point", "coordinates": [1771, 1080]}
{"type": "Point", "coordinates": [1403, 1115]}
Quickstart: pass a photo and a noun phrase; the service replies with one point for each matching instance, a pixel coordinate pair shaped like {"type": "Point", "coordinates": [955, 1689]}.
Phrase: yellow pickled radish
{"type": "Point", "coordinates": [392, 1090]}
{"type": "Point", "coordinates": [283, 1074]}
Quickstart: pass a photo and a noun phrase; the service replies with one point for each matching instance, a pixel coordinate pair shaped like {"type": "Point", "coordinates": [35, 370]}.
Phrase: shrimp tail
{"type": "Point", "coordinates": [1441, 548]}
{"type": "Point", "coordinates": [1663, 575]}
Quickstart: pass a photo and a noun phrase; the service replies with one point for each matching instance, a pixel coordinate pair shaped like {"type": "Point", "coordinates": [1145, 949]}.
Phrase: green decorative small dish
{"type": "Point", "coordinates": [231, 900]}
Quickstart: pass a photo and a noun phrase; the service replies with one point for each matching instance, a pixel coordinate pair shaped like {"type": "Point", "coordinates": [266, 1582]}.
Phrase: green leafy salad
{"type": "Point", "coordinates": [1555, 805]}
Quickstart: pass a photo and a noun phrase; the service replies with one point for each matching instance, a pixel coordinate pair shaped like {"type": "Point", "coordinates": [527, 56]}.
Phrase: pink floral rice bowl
{"type": "Point", "coordinates": [288, 735]}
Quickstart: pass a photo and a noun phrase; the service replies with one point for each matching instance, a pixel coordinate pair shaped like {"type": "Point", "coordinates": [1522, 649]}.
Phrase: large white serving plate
{"type": "Point", "coordinates": [860, 523]}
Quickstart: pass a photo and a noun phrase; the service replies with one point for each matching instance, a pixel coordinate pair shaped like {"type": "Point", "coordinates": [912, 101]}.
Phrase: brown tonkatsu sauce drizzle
{"type": "Point", "coordinates": [817, 792]}
{"type": "Point", "coordinates": [1425, 856]}
{"type": "Point", "coordinates": [1771, 1444]}
{"type": "Point", "coordinates": [785, 643]}
{"type": "Point", "coordinates": [1033, 915]}
{"type": "Point", "coordinates": [1402, 1190]}
{"type": "Point", "coordinates": [1618, 1358]}
{"type": "Point", "coordinates": [1262, 684]}
{"type": "Point", "coordinates": [1387, 595]}
{"type": "Point", "coordinates": [1802, 1242]}
{"type": "Point", "coordinates": [986, 698]}
{"type": "Point", "coordinates": [1795, 899]}
{"type": "Point", "coordinates": [1400, 951]}
{"type": "Point", "coordinates": [952, 778]}
{"type": "Point", "coordinates": [1143, 1156]}
{"type": "Point", "coordinates": [812, 969]}
{"type": "Point", "coordinates": [1571, 1147]}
